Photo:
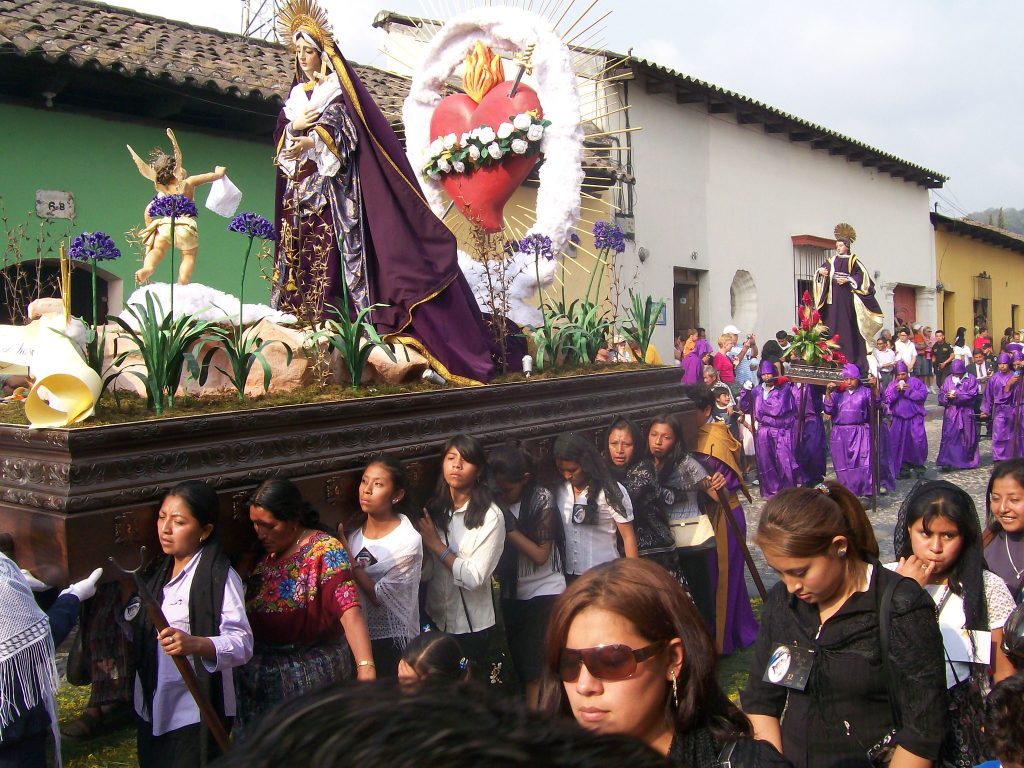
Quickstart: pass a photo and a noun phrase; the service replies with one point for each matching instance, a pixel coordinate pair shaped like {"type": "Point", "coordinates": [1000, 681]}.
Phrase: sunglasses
{"type": "Point", "coordinates": [605, 662]}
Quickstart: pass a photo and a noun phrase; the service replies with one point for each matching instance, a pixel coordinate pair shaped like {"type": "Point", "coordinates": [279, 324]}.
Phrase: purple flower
{"type": "Point", "coordinates": [252, 225]}
{"type": "Point", "coordinates": [537, 245]}
{"type": "Point", "coordinates": [93, 246]}
{"type": "Point", "coordinates": [608, 237]}
{"type": "Point", "coordinates": [574, 239]}
{"type": "Point", "coordinates": [172, 205]}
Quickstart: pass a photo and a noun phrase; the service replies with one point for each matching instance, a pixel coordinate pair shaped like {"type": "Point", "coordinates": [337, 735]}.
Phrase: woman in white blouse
{"type": "Point", "coordinates": [938, 543]}
{"type": "Point", "coordinates": [464, 532]}
{"type": "Point", "coordinates": [593, 506]}
{"type": "Point", "coordinates": [203, 600]}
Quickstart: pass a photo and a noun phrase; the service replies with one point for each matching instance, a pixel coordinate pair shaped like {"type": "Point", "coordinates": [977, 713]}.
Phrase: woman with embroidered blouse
{"type": "Point", "coordinates": [302, 603]}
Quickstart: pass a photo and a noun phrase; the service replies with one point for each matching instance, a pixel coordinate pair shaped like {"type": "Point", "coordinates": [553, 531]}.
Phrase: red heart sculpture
{"type": "Point", "coordinates": [481, 194]}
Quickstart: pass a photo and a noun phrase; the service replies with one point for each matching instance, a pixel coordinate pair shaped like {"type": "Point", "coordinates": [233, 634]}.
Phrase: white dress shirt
{"type": "Point", "coordinates": [459, 601]}
{"type": "Point", "coordinates": [907, 352]}
{"type": "Point", "coordinates": [173, 706]}
{"type": "Point", "coordinates": [586, 544]}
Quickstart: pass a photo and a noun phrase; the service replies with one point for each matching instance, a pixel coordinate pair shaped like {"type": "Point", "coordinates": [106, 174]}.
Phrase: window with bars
{"type": "Point", "coordinates": [809, 253]}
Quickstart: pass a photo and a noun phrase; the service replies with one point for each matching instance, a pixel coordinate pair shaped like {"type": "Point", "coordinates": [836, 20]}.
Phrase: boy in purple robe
{"type": "Point", "coordinates": [774, 409]}
{"type": "Point", "coordinates": [959, 446]}
{"type": "Point", "coordinates": [1002, 399]}
{"type": "Point", "coordinates": [908, 444]}
{"type": "Point", "coordinates": [693, 363]}
{"type": "Point", "coordinates": [811, 453]}
{"type": "Point", "coordinates": [850, 409]}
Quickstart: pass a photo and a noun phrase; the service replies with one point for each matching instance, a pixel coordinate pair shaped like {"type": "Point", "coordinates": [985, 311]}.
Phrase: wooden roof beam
{"type": "Point", "coordinates": [719, 107]}
{"type": "Point", "coordinates": [774, 127]}
{"type": "Point", "coordinates": [800, 136]}
{"type": "Point", "coordinates": [747, 118]}
{"type": "Point", "coordinates": [656, 86]}
{"type": "Point", "coordinates": [687, 97]}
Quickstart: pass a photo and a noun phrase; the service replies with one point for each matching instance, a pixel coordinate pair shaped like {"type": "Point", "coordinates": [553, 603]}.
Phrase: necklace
{"type": "Point", "coordinates": [1016, 570]}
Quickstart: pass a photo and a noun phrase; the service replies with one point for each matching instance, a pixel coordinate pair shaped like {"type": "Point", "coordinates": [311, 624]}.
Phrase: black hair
{"type": "Point", "coordinates": [385, 725]}
{"type": "Point", "coordinates": [437, 656]}
{"type": "Point", "coordinates": [639, 443]}
{"type": "Point", "coordinates": [569, 446]}
{"type": "Point", "coordinates": [1004, 711]}
{"type": "Point", "coordinates": [937, 498]}
{"type": "Point", "coordinates": [678, 452]}
{"type": "Point", "coordinates": [538, 518]}
{"type": "Point", "coordinates": [282, 498]}
{"type": "Point", "coordinates": [701, 395]}
{"type": "Point", "coordinates": [200, 499]}
{"type": "Point", "coordinates": [961, 337]}
{"type": "Point", "coordinates": [441, 507]}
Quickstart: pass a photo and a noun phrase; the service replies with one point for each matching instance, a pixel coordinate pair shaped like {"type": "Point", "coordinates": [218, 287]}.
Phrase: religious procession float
{"type": "Point", "coordinates": [391, 268]}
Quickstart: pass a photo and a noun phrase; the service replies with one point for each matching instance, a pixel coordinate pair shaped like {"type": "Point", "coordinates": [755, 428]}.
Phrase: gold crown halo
{"type": "Point", "coordinates": [307, 16]}
{"type": "Point", "coordinates": [845, 232]}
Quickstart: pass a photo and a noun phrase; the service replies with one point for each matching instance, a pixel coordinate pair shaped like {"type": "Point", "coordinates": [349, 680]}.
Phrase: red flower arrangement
{"type": "Point", "coordinates": [810, 342]}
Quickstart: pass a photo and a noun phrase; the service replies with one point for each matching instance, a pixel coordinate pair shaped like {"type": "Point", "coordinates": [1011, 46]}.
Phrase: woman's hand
{"type": "Point", "coordinates": [175, 642]}
{"type": "Point", "coordinates": [823, 271]}
{"type": "Point", "coordinates": [294, 150]}
{"type": "Point", "coordinates": [306, 120]}
{"type": "Point", "coordinates": [915, 568]}
{"type": "Point", "coordinates": [715, 483]}
{"type": "Point", "coordinates": [429, 533]}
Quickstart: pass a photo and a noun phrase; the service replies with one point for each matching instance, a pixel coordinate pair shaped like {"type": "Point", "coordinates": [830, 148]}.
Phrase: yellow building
{"type": "Point", "coordinates": [980, 270]}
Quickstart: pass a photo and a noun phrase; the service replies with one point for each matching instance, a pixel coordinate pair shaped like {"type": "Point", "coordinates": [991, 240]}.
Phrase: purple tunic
{"type": "Point", "coordinates": [851, 442]}
{"type": "Point", "coordinates": [693, 368]}
{"type": "Point", "coordinates": [1003, 407]}
{"type": "Point", "coordinates": [908, 443]}
{"type": "Point", "coordinates": [811, 454]}
{"type": "Point", "coordinates": [775, 413]}
{"type": "Point", "coordinates": [959, 446]}
{"type": "Point", "coordinates": [740, 624]}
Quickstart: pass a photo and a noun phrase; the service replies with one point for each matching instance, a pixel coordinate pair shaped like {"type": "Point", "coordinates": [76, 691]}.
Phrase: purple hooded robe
{"type": "Point", "coordinates": [774, 410]}
{"type": "Point", "coordinates": [958, 448]}
{"type": "Point", "coordinates": [851, 441]}
{"type": "Point", "coordinates": [1003, 406]}
{"type": "Point", "coordinates": [908, 443]}
{"type": "Point", "coordinates": [692, 365]}
{"type": "Point", "coordinates": [811, 449]}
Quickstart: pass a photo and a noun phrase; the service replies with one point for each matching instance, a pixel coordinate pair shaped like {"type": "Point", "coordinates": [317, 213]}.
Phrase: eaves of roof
{"type": "Point", "coordinates": [717, 100]}
{"type": "Point", "coordinates": [975, 230]}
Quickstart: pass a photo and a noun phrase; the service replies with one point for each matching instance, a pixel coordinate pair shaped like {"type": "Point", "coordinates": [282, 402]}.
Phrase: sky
{"type": "Point", "coordinates": [935, 82]}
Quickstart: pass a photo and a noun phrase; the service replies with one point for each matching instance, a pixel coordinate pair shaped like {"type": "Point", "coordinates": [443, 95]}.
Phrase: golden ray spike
{"type": "Point", "coordinates": [613, 133]}
{"type": "Point", "coordinates": [65, 283]}
{"type": "Point", "coordinates": [578, 19]}
{"type": "Point", "coordinates": [609, 114]}
{"type": "Point", "coordinates": [612, 206]}
{"type": "Point", "coordinates": [561, 18]}
{"type": "Point", "coordinates": [595, 41]}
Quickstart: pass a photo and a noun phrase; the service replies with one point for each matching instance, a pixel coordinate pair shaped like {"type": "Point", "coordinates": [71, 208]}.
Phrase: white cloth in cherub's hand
{"type": "Point", "coordinates": [224, 197]}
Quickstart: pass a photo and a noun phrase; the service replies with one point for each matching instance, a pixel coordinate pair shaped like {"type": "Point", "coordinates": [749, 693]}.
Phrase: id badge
{"type": "Point", "coordinates": [789, 666]}
{"type": "Point", "coordinates": [579, 513]}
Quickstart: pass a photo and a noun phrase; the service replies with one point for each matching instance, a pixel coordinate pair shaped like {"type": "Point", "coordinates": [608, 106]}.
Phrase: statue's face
{"type": "Point", "coordinates": [841, 248]}
{"type": "Point", "coordinates": [308, 58]}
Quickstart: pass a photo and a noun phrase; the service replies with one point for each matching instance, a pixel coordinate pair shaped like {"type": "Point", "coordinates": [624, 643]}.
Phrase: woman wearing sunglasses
{"type": "Point", "coordinates": [628, 653]}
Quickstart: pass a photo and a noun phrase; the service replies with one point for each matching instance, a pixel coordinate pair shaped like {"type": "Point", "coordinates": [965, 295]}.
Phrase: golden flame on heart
{"type": "Point", "coordinates": [484, 70]}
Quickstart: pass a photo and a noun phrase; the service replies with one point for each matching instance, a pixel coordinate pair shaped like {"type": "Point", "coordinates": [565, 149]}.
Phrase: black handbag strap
{"type": "Point", "coordinates": [884, 628]}
{"type": "Point", "coordinates": [462, 597]}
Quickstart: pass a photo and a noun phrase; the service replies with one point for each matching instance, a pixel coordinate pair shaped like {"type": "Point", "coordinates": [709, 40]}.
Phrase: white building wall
{"type": "Point", "coordinates": [736, 195]}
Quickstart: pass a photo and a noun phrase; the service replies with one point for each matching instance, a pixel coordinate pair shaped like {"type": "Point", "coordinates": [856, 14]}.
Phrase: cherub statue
{"type": "Point", "coordinates": [169, 177]}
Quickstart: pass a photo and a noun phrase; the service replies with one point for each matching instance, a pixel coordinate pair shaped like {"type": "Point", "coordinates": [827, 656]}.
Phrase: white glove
{"type": "Point", "coordinates": [34, 584]}
{"type": "Point", "coordinates": [85, 588]}
{"type": "Point", "coordinates": [748, 385]}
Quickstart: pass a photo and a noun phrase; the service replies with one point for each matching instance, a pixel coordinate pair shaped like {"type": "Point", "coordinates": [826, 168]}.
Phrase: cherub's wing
{"type": "Point", "coordinates": [144, 168]}
{"type": "Point", "coordinates": [177, 150]}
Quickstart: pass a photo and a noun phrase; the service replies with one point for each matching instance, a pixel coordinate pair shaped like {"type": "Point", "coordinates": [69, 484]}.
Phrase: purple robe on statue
{"type": "Point", "coordinates": [958, 448]}
{"type": "Point", "coordinates": [811, 453]}
{"type": "Point", "coordinates": [908, 443]}
{"type": "Point", "coordinates": [740, 624]}
{"type": "Point", "coordinates": [1003, 407]}
{"type": "Point", "coordinates": [851, 442]}
{"type": "Point", "coordinates": [370, 222]}
{"type": "Point", "coordinates": [692, 365]}
{"type": "Point", "coordinates": [775, 413]}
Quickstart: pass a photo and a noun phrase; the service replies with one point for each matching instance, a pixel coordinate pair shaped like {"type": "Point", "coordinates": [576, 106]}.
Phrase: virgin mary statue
{"type": "Point", "coordinates": [354, 223]}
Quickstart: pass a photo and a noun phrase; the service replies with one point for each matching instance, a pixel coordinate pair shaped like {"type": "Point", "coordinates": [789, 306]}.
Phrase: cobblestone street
{"type": "Point", "coordinates": [974, 481]}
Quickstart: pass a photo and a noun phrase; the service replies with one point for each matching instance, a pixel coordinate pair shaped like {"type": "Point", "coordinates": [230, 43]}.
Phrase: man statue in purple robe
{"type": "Point", "coordinates": [844, 294]}
{"type": "Point", "coordinates": [1002, 404]}
{"type": "Point", "coordinates": [693, 363]}
{"type": "Point", "coordinates": [811, 450]}
{"type": "Point", "coordinates": [851, 410]}
{"type": "Point", "coordinates": [959, 446]}
{"type": "Point", "coordinates": [773, 406]}
{"type": "Point", "coordinates": [908, 444]}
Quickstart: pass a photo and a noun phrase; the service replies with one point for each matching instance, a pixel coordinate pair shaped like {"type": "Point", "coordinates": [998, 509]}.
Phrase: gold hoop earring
{"type": "Point", "coordinates": [675, 690]}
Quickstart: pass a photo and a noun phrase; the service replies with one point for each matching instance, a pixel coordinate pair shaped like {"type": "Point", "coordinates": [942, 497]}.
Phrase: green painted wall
{"type": "Point", "coordinates": [86, 155]}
